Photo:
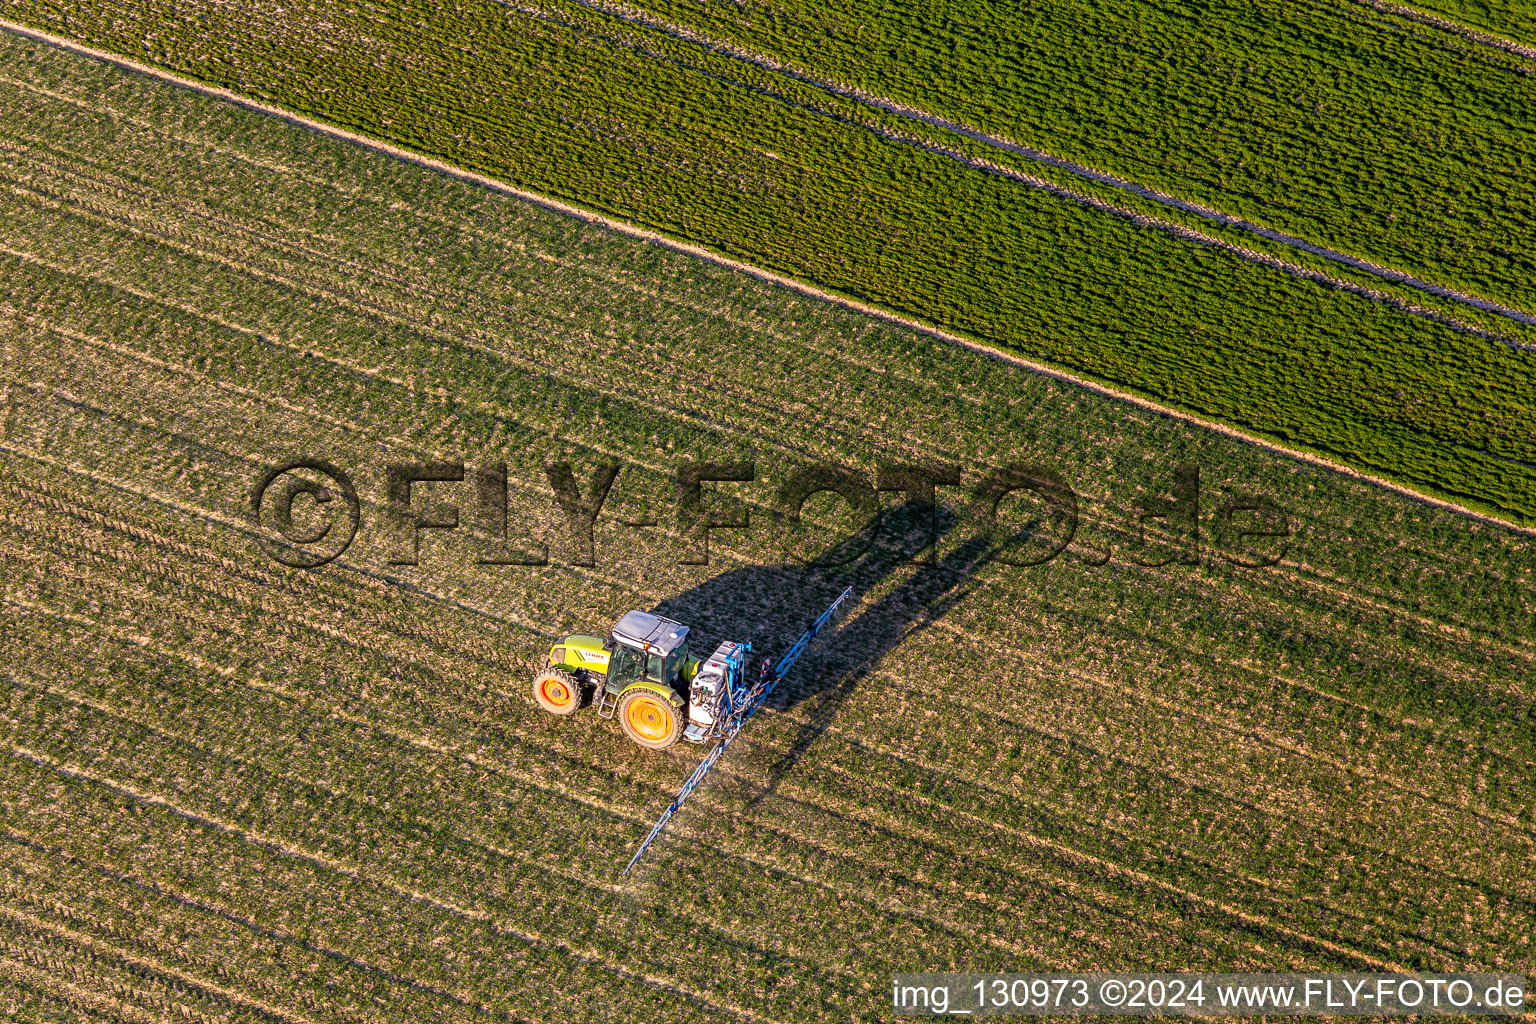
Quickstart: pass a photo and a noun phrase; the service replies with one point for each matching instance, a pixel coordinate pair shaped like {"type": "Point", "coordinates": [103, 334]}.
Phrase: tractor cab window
{"type": "Point", "coordinates": [675, 662]}
{"type": "Point", "coordinates": [628, 665]}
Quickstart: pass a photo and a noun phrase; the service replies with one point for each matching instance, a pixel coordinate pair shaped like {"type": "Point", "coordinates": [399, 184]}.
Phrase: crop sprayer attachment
{"type": "Point", "coordinates": [730, 702]}
{"type": "Point", "coordinates": [642, 674]}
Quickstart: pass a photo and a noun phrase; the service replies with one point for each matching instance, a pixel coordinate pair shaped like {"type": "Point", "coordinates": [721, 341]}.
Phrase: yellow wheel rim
{"type": "Point", "coordinates": [556, 693]}
{"type": "Point", "coordinates": [649, 718]}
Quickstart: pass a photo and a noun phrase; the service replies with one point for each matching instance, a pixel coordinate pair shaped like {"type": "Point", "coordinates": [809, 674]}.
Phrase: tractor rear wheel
{"type": "Point", "coordinates": [649, 719]}
{"type": "Point", "coordinates": [557, 691]}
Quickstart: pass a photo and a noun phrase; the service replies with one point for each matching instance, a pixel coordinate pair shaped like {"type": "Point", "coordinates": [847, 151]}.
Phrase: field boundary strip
{"type": "Point", "coordinates": [635, 16]}
{"type": "Point", "coordinates": [766, 276]}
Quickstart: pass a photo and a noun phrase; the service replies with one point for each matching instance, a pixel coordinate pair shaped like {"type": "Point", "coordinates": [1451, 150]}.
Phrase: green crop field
{"type": "Point", "coordinates": [1376, 308]}
{"type": "Point", "coordinates": [232, 791]}
{"type": "Point", "coordinates": [1326, 120]}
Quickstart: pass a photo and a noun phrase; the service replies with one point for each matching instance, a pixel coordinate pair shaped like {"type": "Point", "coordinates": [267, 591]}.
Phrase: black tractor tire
{"type": "Point", "coordinates": [557, 691]}
{"type": "Point", "coordinates": [649, 719]}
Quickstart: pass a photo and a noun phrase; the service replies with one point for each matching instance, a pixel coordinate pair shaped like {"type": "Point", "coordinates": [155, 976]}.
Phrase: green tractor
{"type": "Point", "coordinates": [640, 672]}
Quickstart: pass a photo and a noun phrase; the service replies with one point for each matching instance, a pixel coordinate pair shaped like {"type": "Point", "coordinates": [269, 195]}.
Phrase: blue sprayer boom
{"type": "Point", "coordinates": [722, 700]}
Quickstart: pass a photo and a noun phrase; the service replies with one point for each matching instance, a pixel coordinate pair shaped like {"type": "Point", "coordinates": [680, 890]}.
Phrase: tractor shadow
{"type": "Point", "coordinates": [772, 605]}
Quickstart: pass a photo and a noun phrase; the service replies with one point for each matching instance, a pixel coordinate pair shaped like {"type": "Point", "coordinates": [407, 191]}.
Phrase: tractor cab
{"type": "Point", "coordinates": [643, 646]}
{"type": "Point", "coordinates": [647, 666]}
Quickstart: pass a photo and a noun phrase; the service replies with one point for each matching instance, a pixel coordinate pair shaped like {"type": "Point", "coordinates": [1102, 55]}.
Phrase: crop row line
{"type": "Point", "coordinates": [1350, 592]}
{"type": "Point", "coordinates": [1076, 740]}
{"type": "Point", "coordinates": [1011, 949]}
{"type": "Point", "coordinates": [351, 639]}
{"type": "Point", "coordinates": [629, 817]}
{"type": "Point", "coordinates": [196, 909]}
{"type": "Point", "coordinates": [489, 408]}
{"type": "Point", "coordinates": [961, 637]}
{"type": "Point", "coordinates": [469, 229]}
{"type": "Point", "coordinates": [728, 554]}
{"type": "Point", "coordinates": [334, 865]}
{"type": "Point", "coordinates": [108, 182]}
{"type": "Point", "coordinates": [1386, 19]}
{"type": "Point", "coordinates": [380, 651]}
{"type": "Point", "coordinates": [1178, 712]}
{"type": "Point", "coordinates": [257, 582]}
{"type": "Point", "coordinates": [46, 877]}
{"type": "Point", "coordinates": [427, 743]}
{"type": "Point", "coordinates": [476, 839]}
{"type": "Point", "coordinates": [1446, 24]}
{"type": "Point", "coordinates": [153, 966]}
{"type": "Point", "coordinates": [969, 781]}
{"type": "Point", "coordinates": [1433, 662]}
{"type": "Point", "coordinates": [870, 817]}
{"type": "Point", "coordinates": [79, 998]}
{"type": "Point", "coordinates": [1457, 639]}
{"type": "Point", "coordinates": [424, 743]}
{"type": "Point", "coordinates": [1298, 683]}
{"type": "Point", "coordinates": [244, 459]}
{"type": "Point", "coordinates": [41, 949]}
{"type": "Point", "coordinates": [1142, 878]}
{"type": "Point", "coordinates": [1095, 681]}
{"type": "Point", "coordinates": [1452, 635]}
{"type": "Point", "coordinates": [246, 530]}
{"type": "Point", "coordinates": [462, 226]}
{"type": "Point", "coordinates": [1067, 886]}
{"type": "Point", "coordinates": [1270, 674]}
{"type": "Point", "coordinates": [110, 948]}
{"type": "Point", "coordinates": [696, 414]}
{"type": "Point", "coordinates": [438, 749]}
{"type": "Point", "coordinates": [242, 920]}
{"type": "Point", "coordinates": [532, 489]}
{"type": "Point", "coordinates": [295, 623]}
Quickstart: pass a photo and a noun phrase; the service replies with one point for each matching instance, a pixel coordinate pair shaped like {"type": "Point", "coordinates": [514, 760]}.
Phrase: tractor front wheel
{"type": "Point", "coordinates": [649, 719]}
{"type": "Point", "coordinates": [557, 691]}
